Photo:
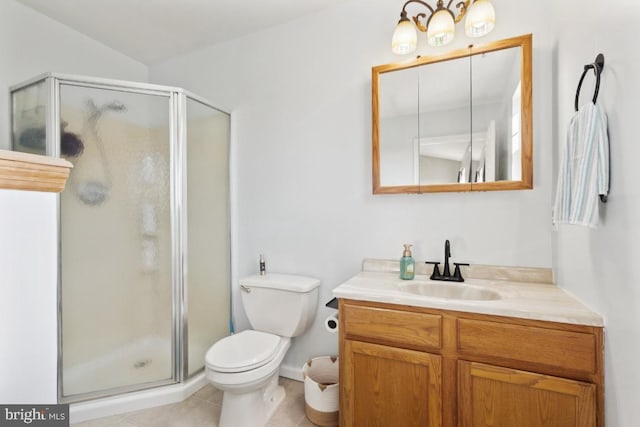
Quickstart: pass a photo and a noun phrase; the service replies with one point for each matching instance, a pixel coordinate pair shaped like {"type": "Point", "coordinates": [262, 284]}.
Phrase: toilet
{"type": "Point", "coordinates": [246, 365]}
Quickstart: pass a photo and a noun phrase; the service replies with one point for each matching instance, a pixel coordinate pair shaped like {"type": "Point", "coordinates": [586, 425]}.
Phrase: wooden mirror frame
{"type": "Point", "coordinates": [526, 181]}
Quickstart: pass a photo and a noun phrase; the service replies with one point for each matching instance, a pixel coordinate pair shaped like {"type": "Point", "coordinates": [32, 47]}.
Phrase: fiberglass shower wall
{"type": "Point", "coordinates": [143, 227]}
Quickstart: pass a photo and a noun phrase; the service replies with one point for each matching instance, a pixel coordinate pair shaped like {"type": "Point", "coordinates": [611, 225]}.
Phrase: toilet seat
{"type": "Point", "coordinates": [243, 351]}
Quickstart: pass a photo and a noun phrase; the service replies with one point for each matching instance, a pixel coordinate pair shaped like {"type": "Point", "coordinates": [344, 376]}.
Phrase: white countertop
{"type": "Point", "coordinates": [538, 301]}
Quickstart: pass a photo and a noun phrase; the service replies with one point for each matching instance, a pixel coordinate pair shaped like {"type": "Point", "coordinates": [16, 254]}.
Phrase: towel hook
{"type": "Point", "coordinates": [597, 67]}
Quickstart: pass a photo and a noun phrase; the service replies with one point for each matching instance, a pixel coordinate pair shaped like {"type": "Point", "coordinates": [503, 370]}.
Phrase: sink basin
{"type": "Point", "coordinates": [446, 290]}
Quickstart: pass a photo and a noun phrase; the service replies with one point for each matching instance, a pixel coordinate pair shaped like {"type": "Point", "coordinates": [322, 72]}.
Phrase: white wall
{"type": "Point", "coordinates": [301, 166]}
{"type": "Point", "coordinates": [32, 44]}
{"type": "Point", "coordinates": [600, 266]}
{"type": "Point", "coordinates": [28, 294]}
{"type": "Point", "coordinates": [301, 100]}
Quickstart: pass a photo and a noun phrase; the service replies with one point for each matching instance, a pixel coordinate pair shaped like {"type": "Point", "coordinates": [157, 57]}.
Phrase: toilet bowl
{"type": "Point", "coordinates": [249, 382]}
{"type": "Point", "coordinates": [246, 366]}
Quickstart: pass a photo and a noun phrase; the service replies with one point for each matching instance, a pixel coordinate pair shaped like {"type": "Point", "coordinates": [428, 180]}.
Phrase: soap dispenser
{"type": "Point", "coordinates": [407, 264]}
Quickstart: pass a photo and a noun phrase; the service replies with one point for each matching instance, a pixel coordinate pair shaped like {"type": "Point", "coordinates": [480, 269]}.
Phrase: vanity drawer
{"type": "Point", "coordinates": [408, 329]}
{"type": "Point", "coordinates": [575, 351]}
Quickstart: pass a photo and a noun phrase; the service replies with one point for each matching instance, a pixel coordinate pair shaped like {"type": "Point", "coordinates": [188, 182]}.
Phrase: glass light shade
{"type": "Point", "coordinates": [441, 28]}
{"type": "Point", "coordinates": [405, 38]}
{"type": "Point", "coordinates": [480, 20]}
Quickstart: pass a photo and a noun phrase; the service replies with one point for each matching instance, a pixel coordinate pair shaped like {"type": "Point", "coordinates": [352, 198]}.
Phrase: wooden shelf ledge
{"type": "Point", "coordinates": [31, 172]}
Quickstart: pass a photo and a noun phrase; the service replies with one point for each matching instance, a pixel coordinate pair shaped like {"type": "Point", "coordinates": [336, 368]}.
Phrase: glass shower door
{"type": "Point", "coordinates": [115, 240]}
{"type": "Point", "coordinates": [208, 258]}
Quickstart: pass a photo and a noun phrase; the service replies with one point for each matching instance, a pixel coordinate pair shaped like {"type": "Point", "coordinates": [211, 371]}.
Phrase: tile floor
{"type": "Point", "coordinates": [202, 409]}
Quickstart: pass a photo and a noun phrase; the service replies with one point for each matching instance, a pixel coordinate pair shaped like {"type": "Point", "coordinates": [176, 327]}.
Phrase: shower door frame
{"type": "Point", "coordinates": [178, 207]}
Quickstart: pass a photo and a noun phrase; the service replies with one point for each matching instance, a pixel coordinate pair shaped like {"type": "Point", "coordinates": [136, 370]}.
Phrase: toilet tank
{"type": "Point", "coordinates": [281, 304]}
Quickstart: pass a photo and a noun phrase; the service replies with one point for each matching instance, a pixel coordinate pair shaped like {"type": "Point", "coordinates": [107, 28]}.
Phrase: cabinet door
{"type": "Point", "coordinates": [387, 386]}
{"type": "Point", "coordinates": [502, 397]}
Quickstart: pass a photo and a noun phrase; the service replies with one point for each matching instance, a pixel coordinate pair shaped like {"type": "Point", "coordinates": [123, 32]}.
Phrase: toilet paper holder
{"type": "Point", "coordinates": [333, 303]}
{"type": "Point", "coordinates": [331, 322]}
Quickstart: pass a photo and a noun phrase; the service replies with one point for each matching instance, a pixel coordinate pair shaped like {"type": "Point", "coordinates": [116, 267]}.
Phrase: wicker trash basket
{"type": "Point", "coordinates": [321, 390]}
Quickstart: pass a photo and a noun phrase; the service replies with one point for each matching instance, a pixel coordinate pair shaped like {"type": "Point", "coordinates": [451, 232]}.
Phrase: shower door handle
{"type": "Point", "coordinates": [245, 288]}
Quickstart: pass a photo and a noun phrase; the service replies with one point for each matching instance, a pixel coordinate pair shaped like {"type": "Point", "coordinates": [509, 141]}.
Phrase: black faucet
{"type": "Point", "coordinates": [447, 255]}
{"type": "Point", "coordinates": [446, 275]}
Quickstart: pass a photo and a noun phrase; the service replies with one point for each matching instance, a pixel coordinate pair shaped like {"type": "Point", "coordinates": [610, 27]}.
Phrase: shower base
{"type": "Point", "coordinates": [145, 361]}
{"type": "Point", "coordinates": [135, 401]}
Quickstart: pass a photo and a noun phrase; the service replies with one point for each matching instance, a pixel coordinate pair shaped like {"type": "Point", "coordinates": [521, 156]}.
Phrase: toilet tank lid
{"type": "Point", "coordinates": [286, 282]}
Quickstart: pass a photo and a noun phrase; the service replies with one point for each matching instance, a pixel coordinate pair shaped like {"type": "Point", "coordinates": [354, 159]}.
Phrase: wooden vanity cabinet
{"type": "Point", "coordinates": [411, 366]}
{"type": "Point", "coordinates": [496, 396]}
{"type": "Point", "coordinates": [390, 386]}
{"type": "Point", "coordinates": [390, 369]}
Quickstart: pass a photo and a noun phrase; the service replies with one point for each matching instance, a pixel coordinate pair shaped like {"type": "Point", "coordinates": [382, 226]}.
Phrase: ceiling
{"type": "Point", "coordinates": [151, 31]}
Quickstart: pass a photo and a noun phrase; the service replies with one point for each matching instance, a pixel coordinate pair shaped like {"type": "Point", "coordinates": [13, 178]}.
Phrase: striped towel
{"type": "Point", "coordinates": [584, 169]}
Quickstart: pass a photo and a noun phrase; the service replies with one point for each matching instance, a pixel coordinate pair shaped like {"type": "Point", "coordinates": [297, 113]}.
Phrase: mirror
{"type": "Point", "coordinates": [461, 121]}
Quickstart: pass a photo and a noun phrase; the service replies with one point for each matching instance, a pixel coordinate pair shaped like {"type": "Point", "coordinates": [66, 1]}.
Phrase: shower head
{"type": "Point", "coordinates": [114, 106]}
{"type": "Point", "coordinates": [95, 112]}
{"type": "Point", "coordinates": [92, 193]}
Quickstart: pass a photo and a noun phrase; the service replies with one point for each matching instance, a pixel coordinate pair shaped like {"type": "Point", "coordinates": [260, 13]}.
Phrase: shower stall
{"type": "Point", "coordinates": [144, 252]}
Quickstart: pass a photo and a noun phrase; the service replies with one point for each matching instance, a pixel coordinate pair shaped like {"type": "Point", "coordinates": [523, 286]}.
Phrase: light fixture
{"type": "Point", "coordinates": [441, 28]}
{"type": "Point", "coordinates": [405, 37]}
{"type": "Point", "coordinates": [480, 19]}
{"type": "Point", "coordinates": [439, 23]}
